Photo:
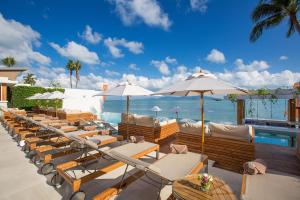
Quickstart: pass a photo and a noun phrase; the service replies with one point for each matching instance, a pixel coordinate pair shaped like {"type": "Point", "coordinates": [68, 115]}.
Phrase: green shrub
{"type": "Point", "coordinates": [19, 95]}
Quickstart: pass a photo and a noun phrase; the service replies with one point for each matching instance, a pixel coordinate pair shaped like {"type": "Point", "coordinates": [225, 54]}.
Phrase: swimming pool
{"type": "Point", "coordinates": [260, 137]}
{"type": "Point", "coordinates": [275, 139]}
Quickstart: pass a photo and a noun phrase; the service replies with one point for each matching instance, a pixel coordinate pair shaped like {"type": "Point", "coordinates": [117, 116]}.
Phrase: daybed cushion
{"type": "Point", "coordinates": [192, 128]}
{"type": "Point", "coordinates": [143, 120]}
{"type": "Point", "coordinates": [170, 121]}
{"type": "Point", "coordinates": [130, 118]}
{"type": "Point", "coordinates": [230, 131]}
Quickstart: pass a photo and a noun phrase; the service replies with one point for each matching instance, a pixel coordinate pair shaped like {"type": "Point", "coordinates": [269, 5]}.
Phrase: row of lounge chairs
{"type": "Point", "coordinates": [95, 154]}
{"type": "Point", "coordinates": [67, 114]}
{"type": "Point", "coordinates": [229, 146]}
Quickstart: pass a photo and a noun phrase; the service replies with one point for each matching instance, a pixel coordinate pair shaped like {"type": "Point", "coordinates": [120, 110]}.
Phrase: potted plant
{"type": "Point", "coordinates": [205, 181]}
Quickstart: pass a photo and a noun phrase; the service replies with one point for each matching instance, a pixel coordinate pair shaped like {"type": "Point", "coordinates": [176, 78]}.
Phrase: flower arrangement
{"type": "Point", "coordinates": [205, 181]}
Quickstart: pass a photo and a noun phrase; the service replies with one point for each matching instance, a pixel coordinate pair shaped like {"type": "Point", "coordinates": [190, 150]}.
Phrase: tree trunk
{"type": "Point", "coordinates": [77, 78]}
{"type": "Point", "coordinates": [295, 22]}
{"type": "Point", "coordinates": [71, 79]}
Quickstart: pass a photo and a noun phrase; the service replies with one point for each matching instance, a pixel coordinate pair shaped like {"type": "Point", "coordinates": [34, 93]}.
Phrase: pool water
{"type": "Point", "coordinates": [275, 139]}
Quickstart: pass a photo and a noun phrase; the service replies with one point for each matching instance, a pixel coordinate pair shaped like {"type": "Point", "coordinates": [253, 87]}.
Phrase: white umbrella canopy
{"type": "Point", "coordinates": [156, 109]}
{"type": "Point", "coordinates": [56, 95]}
{"type": "Point", "coordinates": [44, 96]}
{"type": "Point", "coordinates": [199, 84]}
{"type": "Point", "coordinates": [176, 110]}
{"type": "Point", "coordinates": [35, 96]}
{"type": "Point", "coordinates": [128, 90]}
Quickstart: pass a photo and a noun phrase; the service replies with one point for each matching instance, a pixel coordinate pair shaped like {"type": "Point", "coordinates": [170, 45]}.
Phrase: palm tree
{"type": "Point", "coordinates": [77, 67]}
{"type": "Point", "coordinates": [29, 79]}
{"type": "Point", "coordinates": [9, 61]}
{"type": "Point", "coordinates": [270, 13]}
{"type": "Point", "coordinates": [70, 66]}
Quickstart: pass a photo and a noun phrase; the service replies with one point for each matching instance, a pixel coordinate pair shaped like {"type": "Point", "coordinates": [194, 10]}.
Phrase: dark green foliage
{"type": "Point", "coordinates": [20, 93]}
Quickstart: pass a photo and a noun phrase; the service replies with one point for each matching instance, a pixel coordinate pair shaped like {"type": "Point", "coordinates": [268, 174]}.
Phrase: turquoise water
{"type": "Point", "coordinates": [216, 111]}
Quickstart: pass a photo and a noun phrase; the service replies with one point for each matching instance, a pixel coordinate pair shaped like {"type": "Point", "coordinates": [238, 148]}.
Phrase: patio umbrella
{"type": "Point", "coordinates": [128, 90]}
{"type": "Point", "coordinates": [156, 109]}
{"type": "Point", "coordinates": [176, 110]}
{"type": "Point", "coordinates": [56, 95]}
{"type": "Point", "coordinates": [199, 84]}
{"type": "Point", "coordinates": [35, 96]}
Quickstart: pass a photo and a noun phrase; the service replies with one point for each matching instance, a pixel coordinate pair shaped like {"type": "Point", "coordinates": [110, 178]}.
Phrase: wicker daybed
{"type": "Point", "coordinates": [228, 145]}
{"type": "Point", "coordinates": [152, 129]}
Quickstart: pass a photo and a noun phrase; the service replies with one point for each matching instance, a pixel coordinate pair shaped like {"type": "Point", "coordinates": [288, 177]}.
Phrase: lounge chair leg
{"type": "Point", "coordinates": [160, 188]}
{"type": "Point", "coordinates": [56, 180]}
{"type": "Point", "coordinates": [121, 183]}
{"type": "Point", "coordinates": [80, 195]}
{"type": "Point", "coordinates": [47, 168]}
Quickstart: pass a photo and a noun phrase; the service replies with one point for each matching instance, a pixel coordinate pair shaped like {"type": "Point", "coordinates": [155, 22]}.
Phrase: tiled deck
{"type": "Point", "coordinates": [20, 180]}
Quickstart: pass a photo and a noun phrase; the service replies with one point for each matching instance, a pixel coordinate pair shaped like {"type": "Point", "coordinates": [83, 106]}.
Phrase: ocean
{"type": "Point", "coordinates": [221, 111]}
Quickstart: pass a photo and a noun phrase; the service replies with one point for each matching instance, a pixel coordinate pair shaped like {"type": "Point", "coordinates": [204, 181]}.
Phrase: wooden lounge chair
{"type": "Point", "coordinates": [75, 172]}
{"type": "Point", "coordinates": [48, 154]}
{"type": "Point", "coordinates": [75, 115]}
{"type": "Point", "coordinates": [229, 146]}
{"type": "Point", "coordinates": [46, 137]}
{"type": "Point", "coordinates": [150, 128]}
{"type": "Point", "coordinates": [270, 186]}
{"type": "Point", "coordinates": [165, 170]}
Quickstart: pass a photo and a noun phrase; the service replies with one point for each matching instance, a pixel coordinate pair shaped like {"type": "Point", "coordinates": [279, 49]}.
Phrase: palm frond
{"type": "Point", "coordinates": [291, 29]}
{"type": "Point", "coordinates": [267, 23]}
{"type": "Point", "coordinates": [265, 10]}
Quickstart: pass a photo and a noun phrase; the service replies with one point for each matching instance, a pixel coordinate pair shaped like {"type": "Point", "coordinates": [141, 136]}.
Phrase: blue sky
{"type": "Point", "coordinates": [153, 43]}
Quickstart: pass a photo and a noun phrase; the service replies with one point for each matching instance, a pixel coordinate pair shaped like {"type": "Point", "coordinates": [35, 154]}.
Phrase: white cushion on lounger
{"type": "Point", "coordinates": [230, 131]}
{"type": "Point", "coordinates": [175, 166]}
{"type": "Point", "coordinates": [170, 167]}
{"type": "Point", "coordinates": [272, 186]}
{"type": "Point", "coordinates": [133, 148]}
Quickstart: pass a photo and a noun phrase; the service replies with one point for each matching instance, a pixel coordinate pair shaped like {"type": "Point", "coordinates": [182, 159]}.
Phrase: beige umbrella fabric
{"type": "Point", "coordinates": [200, 84]}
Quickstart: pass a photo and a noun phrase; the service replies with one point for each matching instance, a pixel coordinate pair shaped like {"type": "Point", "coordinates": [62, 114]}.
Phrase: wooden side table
{"type": "Point", "coordinates": [188, 188]}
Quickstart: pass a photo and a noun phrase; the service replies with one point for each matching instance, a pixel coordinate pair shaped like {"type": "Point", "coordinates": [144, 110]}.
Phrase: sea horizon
{"type": "Point", "coordinates": [220, 111]}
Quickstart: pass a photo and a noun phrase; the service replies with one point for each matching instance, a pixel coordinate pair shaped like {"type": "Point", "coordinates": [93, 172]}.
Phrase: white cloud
{"type": "Point", "coordinates": [170, 60]}
{"type": "Point", "coordinates": [246, 79]}
{"type": "Point", "coordinates": [182, 69]}
{"type": "Point", "coordinates": [133, 67]}
{"type": "Point", "coordinates": [19, 40]}
{"type": "Point", "coordinates": [216, 56]}
{"type": "Point", "coordinates": [199, 5]}
{"type": "Point", "coordinates": [162, 66]}
{"type": "Point", "coordinates": [253, 66]}
{"type": "Point", "coordinates": [148, 11]}
{"type": "Point", "coordinates": [73, 50]}
{"type": "Point", "coordinates": [114, 44]}
{"type": "Point", "coordinates": [283, 58]}
{"type": "Point", "coordinates": [112, 73]}
{"type": "Point", "coordinates": [90, 36]}
{"type": "Point", "coordinates": [260, 79]}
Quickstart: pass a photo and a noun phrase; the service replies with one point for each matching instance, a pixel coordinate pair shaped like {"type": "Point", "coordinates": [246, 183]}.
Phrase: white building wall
{"type": "Point", "coordinates": [84, 100]}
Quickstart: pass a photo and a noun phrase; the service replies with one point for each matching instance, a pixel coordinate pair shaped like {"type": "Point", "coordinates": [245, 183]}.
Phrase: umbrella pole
{"type": "Point", "coordinates": [127, 112]}
{"type": "Point", "coordinates": [202, 118]}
